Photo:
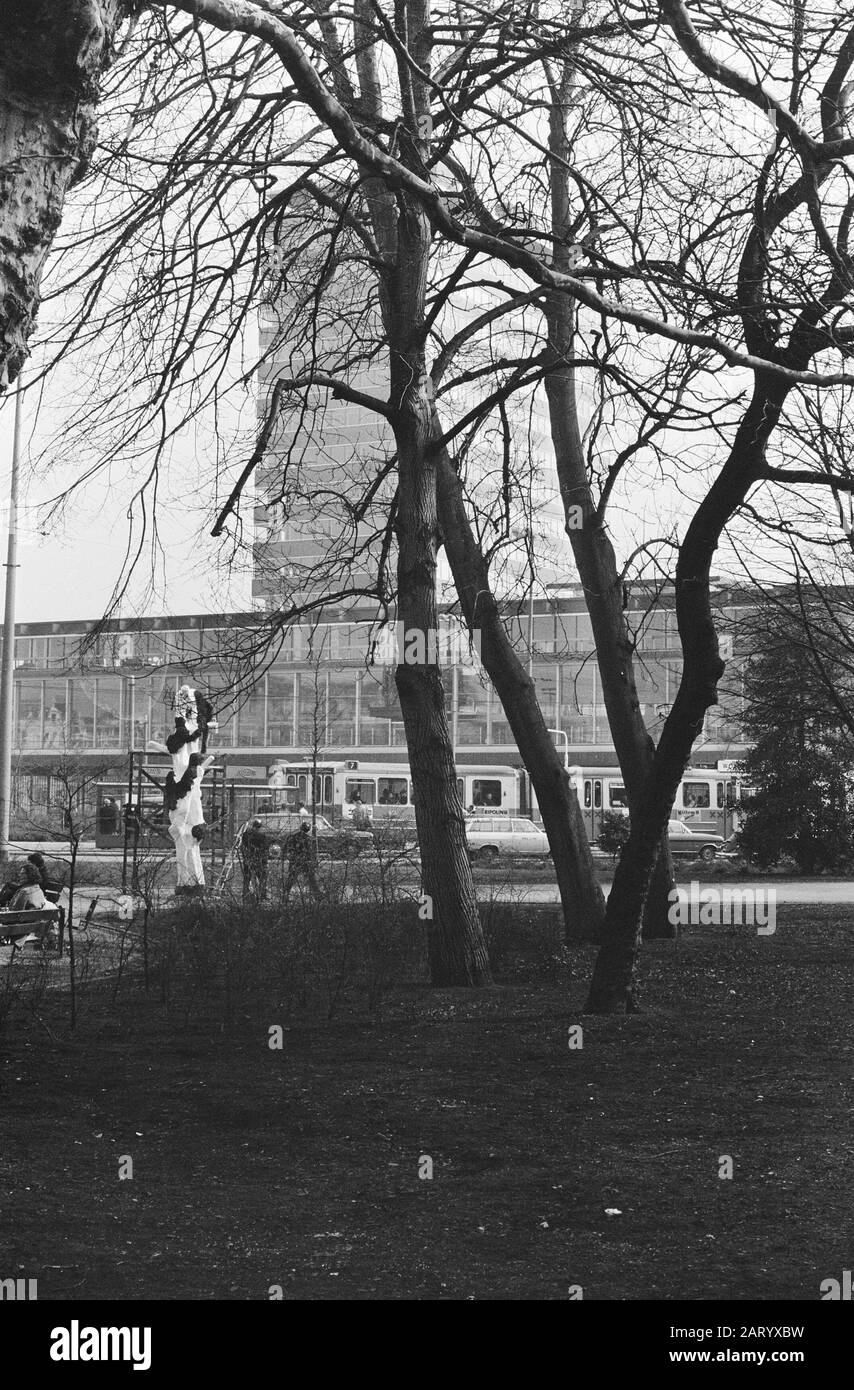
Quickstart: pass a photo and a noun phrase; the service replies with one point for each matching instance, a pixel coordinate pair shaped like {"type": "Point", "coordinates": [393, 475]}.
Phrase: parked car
{"type": "Point", "coordinates": [490, 837]}
{"type": "Point", "coordinates": [345, 843]}
{"type": "Point", "coordinates": [695, 844]}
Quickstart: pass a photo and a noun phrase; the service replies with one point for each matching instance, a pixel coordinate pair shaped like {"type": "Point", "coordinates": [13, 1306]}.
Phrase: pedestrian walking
{"type": "Point", "coordinates": [302, 860]}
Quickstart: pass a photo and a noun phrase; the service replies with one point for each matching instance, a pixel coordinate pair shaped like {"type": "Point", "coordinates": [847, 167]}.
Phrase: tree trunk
{"type": "Point", "coordinates": [612, 983]}
{"type": "Point", "coordinates": [593, 553]}
{"type": "Point", "coordinates": [457, 948]}
{"type": "Point", "coordinates": [581, 897]}
{"type": "Point", "coordinates": [603, 592]}
{"type": "Point", "coordinates": [52, 55]}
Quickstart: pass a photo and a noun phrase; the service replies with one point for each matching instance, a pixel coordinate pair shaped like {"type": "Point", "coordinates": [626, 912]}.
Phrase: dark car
{"type": "Point", "coordinates": [695, 844]}
{"type": "Point", "coordinates": [345, 843]}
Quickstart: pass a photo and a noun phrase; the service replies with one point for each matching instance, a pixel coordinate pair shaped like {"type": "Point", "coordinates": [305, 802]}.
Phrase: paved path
{"type": "Point", "coordinates": [806, 891]}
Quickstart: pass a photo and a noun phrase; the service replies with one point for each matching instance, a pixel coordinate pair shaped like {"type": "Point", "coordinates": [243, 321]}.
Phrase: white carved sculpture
{"type": "Point", "coordinates": [183, 789]}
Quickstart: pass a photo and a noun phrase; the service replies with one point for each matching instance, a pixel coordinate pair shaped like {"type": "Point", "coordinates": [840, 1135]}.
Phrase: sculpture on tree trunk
{"type": "Point", "coordinates": [182, 791]}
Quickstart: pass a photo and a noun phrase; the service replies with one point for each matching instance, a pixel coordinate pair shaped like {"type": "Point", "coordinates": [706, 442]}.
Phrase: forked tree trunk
{"type": "Point", "coordinates": [581, 896]}
{"type": "Point", "coordinates": [603, 592]}
{"type": "Point", "coordinates": [52, 55]}
{"type": "Point", "coordinates": [612, 985]}
{"type": "Point", "coordinates": [592, 551]}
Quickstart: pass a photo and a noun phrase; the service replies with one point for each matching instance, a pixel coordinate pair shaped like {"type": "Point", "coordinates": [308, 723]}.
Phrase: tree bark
{"type": "Point", "coordinates": [592, 551]}
{"type": "Point", "coordinates": [52, 56]}
{"type": "Point", "coordinates": [603, 593]}
{"type": "Point", "coordinates": [581, 896]}
{"type": "Point", "coordinates": [457, 948]}
{"type": "Point", "coordinates": [612, 983]}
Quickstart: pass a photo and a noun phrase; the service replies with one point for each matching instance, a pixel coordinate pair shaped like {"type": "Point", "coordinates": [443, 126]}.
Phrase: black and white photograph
{"type": "Point", "coordinates": [427, 684]}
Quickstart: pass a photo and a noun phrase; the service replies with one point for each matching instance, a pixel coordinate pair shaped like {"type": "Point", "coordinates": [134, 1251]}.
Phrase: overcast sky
{"type": "Point", "coordinates": [70, 571]}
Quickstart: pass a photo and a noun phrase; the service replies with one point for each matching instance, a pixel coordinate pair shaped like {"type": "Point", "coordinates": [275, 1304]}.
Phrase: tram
{"type": "Point", "coordinates": [707, 799]}
{"type": "Point", "coordinates": [379, 791]}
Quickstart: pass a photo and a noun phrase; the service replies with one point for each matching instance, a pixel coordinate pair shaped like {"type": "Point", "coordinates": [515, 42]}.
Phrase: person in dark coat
{"type": "Point", "coordinates": [52, 886]}
{"type": "Point", "coordinates": [254, 850]}
{"type": "Point", "coordinates": [12, 884]}
{"type": "Point", "coordinates": [302, 860]}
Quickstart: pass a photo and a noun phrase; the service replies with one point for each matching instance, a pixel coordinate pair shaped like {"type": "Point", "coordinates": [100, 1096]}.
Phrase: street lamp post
{"type": "Point", "coordinates": [7, 668]}
{"type": "Point", "coordinates": [562, 734]}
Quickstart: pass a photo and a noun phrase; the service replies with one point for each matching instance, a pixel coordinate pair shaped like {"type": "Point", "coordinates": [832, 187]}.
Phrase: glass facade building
{"type": "Point", "coordinates": [101, 692]}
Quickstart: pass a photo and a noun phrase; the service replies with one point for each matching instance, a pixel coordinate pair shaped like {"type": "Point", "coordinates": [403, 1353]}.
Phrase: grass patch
{"type": "Point", "coordinates": [299, 1167]}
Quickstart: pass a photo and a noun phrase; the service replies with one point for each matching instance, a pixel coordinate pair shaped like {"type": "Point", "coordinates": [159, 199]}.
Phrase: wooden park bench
{"type": "Point", "coordinates": [15, 926]}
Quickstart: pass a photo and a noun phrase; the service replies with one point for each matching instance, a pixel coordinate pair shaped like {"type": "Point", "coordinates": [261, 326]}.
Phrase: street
{"type": "Point", "coordinates": [807, 891]}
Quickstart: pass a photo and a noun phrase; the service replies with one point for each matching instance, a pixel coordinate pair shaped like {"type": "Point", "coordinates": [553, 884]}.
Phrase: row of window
{"type": "Point", "coordinates": [695, 795]}
{"type": "Point", "coordinates": [551, 634]}
{"type": "Point", "coordinates": [324, 709]}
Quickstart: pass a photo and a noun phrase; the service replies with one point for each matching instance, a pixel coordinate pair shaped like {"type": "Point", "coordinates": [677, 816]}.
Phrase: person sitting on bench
{"type": "Point", "coordinates": [13, 884]}
{"type": "Point", "coordinates": [51, 886]}
{"type": "Point", "coordinates": [29, 902]}
{"type": "Point", "coordinates": [30, 895]}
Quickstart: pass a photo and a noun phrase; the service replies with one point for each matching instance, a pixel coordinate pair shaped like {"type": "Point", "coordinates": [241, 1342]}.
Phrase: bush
{"type": "Point", "coordinates": [613, 832]}
{"type": "Point", "coordinates": [302, 962]}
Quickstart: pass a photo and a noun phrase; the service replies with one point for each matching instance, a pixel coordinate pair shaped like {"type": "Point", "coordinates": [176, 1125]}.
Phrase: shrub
{"type": "Point", "coordinates": [303, 961]}
{"type": "Point", "coordinates": [613, 832]}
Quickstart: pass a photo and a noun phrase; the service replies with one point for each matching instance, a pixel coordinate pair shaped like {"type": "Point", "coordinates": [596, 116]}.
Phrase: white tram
{"type": "Point", "coordinates": [707, 798]}
{"type": "Point", "coordinates": [383, 791]}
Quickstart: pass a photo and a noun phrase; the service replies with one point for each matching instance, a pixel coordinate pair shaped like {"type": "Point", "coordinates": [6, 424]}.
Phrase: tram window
{"type": "Point", "coordinates": [360, 791]}
{"type": "Point", "coordinates": [391, 791]}
{"type": "Point", "coordinates": [587, 796]}
{"type": "Point", "coordinates": [721, 795]}
{"type": "Point", "coordinates": [293, 795]}
{"type": "Point", "coordinates": [327, 789]}
{"type": "Point", "coordinates": [696, 794]}
{"type": "Point", "coordinates": [617, 796]}
{"type": "Point", "coordinates": [461, 791]}
{"type": "Point", "coordinates": [485, 792]}
{"type": "Point", "coordinates": [597, 795]}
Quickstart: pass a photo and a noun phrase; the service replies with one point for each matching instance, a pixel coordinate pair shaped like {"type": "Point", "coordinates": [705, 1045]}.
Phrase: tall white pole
{"type": "Point", "coordinates": [7, 668]}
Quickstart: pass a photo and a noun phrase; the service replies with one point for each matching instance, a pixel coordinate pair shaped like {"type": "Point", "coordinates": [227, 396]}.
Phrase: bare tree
{"type": "Point", "coordinates": [756, 280]}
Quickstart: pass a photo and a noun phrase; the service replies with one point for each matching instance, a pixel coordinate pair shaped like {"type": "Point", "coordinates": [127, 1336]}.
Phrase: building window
{"type": "Point", "coordinates": [108, 727]}
{"type": "Point", "coordinates": [250, 719]}
{"type": "Point", "coordinates": [28, 723]}
{"type": "Point", "coordinates": [471, 709]}
{"type": "Point", "coordinates": [313, 708]}
{"type": "Point", "coordinates": [81, 721]}
{"type": "Point", "coordinates": [56, 715]}
{"type": "Point", "coordinates": [341, 709]}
